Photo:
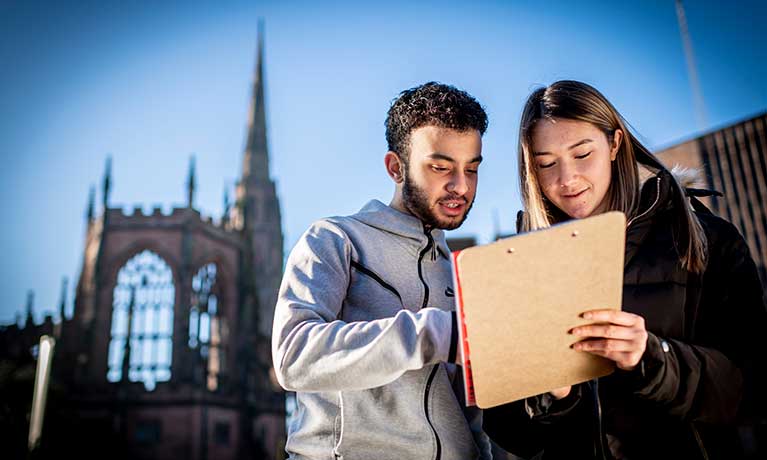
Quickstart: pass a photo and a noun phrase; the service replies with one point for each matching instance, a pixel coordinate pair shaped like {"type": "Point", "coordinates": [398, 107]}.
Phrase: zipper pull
{"type": "Point", "coordinates": [427, 232]}
{"type": "Point", "coordinates": [433, 245]}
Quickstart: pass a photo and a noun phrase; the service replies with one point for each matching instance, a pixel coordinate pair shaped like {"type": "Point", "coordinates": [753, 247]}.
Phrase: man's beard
{"type": "Point", "coordinates": [416, 201]}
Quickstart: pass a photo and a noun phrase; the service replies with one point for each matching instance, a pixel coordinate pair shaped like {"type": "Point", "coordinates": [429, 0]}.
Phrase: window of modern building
{"type": "Point", "coordinates": [221, 433]}
{"type": "Point", "coordinates": [148, 431]}
{"type": "Point", "coordinates": [142, 311]}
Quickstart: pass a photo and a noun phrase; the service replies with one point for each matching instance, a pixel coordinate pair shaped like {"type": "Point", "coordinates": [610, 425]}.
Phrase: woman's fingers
{"type": "Point", "coordinates": [608, 345]}
{"type": "Point", "coordinates": [617, 335]}
{"type": "Point", "coordinates": [621, 318]}
{"type": "Point", "coordinates": [608, 331]}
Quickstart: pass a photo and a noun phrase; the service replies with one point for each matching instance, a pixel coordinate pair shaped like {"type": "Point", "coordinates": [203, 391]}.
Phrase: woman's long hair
{"type": "Point", "coordinates": [578, 101]}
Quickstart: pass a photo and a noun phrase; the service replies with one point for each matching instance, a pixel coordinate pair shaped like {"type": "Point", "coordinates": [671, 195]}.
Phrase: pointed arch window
{"type": "Point", "coordinates": [142, 321]}
{"type": "Point", "coordinates": [207, 327]}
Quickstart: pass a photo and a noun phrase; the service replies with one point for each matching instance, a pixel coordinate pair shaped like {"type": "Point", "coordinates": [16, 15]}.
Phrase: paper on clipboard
{"type": "Point", "coordinates": [517, 298]}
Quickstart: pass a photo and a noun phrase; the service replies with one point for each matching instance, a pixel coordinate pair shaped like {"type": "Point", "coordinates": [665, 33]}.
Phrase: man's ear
{"type": "Point", "coordinates": [394, 167]}
{"type": "Point", "coordinates": [616, 145]}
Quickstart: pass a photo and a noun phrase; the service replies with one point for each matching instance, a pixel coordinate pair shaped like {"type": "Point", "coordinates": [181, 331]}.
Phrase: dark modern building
{"type": "Point", "coordinates": [734, 162]}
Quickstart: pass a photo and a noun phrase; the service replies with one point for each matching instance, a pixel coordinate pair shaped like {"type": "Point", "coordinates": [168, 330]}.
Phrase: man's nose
{"type": "Point", "coordinates": [458, 184]}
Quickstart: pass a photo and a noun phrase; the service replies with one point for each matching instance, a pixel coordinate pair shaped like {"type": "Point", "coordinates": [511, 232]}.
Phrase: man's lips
{"type": "Point", "coordinates": [452, 207]}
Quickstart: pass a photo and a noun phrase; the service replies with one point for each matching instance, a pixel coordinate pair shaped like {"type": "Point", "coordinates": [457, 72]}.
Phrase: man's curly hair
{"type": "Point", "coordinates": [431, 104]}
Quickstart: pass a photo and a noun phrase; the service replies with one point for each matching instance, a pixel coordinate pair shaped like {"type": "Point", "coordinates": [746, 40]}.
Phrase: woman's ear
{"type": "Point", "coordinates": [616, 144]}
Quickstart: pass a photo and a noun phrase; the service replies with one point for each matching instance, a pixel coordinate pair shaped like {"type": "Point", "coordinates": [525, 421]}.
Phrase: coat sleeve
{"type": "Point", "coordinates": [313, 350]}
{"type": "Point", "coordinates": [705, 379]}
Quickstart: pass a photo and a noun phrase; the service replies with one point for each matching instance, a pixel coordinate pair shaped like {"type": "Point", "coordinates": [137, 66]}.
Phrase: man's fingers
{"type": "Point", "coordinates": [559, 393]}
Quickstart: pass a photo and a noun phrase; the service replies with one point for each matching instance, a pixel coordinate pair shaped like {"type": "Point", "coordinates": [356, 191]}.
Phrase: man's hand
{"type": "Point", "coordinates": [559, 393]}
{"type": "Point", "coordinates": [617, 335]}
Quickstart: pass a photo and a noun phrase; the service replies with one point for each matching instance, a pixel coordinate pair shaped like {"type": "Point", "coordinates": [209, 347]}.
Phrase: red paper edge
{"type": "Point", "coordinates": [468, 380]}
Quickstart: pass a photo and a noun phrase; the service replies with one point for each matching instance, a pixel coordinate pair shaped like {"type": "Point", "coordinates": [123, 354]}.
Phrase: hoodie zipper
{"type": "Point", "coordinates": [429, 246]}
{"type": "Point", "coordinates": [426, 409]}
{"type": "Point", "coordinates": [703, 451]}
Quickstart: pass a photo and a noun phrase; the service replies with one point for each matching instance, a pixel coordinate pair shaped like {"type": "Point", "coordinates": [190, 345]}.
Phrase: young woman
{"type": "Point", "coordinates": [688, 345]}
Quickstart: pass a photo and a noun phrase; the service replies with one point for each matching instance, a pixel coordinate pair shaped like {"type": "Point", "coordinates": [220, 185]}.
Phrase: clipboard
{"type": "Point", "coordinates": [517, 298]}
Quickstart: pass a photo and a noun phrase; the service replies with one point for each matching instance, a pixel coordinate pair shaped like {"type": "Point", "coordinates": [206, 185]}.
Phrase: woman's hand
{"type": "Point", "coordinates": [617, 335]}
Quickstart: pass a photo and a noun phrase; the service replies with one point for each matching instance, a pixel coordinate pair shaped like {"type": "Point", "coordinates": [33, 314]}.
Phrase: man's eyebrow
{"type": "Point", "coordinates": [442, 156]}
{"type": "Point", "coordinates": [579, 143]}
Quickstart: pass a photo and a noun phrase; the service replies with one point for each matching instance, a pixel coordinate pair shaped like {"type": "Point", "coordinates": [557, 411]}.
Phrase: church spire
{"type": "Point", "coordinates": [255, 162]}
{"type": "Point", "coordinates": [227, 206]}
{"type": "Point", "coordinates": [107, 182]}
{"type": "Point", "coordinates": [30, 320]}
{"type": "Point", "coordinates": [63, 298]}
{"type": "Point", "coordinates": [190, 184]}
{"type": "Point", "coordinates": [91, 203]}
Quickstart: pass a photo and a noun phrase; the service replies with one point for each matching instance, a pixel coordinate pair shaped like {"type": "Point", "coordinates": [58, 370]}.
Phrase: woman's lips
{"type": "Point", "coordinates": [574, 195]}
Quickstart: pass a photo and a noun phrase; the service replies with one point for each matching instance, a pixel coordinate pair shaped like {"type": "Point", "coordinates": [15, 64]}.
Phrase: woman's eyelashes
{"type": "Point", "coordinates": [577, 157]}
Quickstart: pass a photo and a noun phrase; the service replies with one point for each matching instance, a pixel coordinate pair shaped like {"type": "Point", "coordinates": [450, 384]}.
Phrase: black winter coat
{"type": "Point", "coordinates": [705, 356]}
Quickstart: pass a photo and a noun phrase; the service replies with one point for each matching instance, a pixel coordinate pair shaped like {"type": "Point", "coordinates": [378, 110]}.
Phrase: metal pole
{"type": "Point", "coordinates": [697, 93]}
{"type": "Point", "coordinates": [42, 380]}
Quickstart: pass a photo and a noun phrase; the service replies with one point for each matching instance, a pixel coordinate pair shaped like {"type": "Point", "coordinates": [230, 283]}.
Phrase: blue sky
{"type": "Point", "coordinates": [151, 85]}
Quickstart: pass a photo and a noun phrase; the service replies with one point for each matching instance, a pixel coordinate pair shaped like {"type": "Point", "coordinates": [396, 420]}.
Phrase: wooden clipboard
{"type": "Point", "coordinates": [518, 297]}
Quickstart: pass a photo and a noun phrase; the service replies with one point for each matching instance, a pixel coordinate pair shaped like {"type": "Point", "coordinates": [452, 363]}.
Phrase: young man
{"type": "Point", "coordinates": [364, 331]}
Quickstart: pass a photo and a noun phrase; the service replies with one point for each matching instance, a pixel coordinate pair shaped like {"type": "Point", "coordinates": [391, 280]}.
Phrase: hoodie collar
{"type": "Point", "coordinates": [385, 218]}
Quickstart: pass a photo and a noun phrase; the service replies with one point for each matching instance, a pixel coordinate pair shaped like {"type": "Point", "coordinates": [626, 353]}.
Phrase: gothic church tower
{"type": "Point", "coordinates": [167, 352]}
{"type": "Point", "coordinates": [257, 210]}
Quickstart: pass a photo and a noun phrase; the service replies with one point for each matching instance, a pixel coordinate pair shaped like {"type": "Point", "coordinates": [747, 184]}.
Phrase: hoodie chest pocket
{"type": "Point", "coordinates": [369, 296]}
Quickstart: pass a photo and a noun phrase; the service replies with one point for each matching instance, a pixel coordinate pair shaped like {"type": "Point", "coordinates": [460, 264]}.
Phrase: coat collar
{"type": "Point", "coordinates": [654, 197]}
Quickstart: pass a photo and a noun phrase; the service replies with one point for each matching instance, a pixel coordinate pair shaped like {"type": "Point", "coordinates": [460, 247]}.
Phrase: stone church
{"type": "Point", "coordinates": [167, 353]}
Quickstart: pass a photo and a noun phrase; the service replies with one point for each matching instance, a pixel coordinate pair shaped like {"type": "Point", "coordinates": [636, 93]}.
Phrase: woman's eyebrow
{"type": "Point", "coordinates": [579, 143]}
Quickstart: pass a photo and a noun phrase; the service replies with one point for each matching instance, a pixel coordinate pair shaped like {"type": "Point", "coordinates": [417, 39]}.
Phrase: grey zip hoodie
{"type": "Point", "coordinates": [363, 333]}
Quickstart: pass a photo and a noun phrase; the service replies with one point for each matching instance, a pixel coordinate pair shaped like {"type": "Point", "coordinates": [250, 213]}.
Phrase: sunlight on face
{"type": "Point", "coordinates": [441, 180]}
{"type": "Point", "coordinates": [573, 164]}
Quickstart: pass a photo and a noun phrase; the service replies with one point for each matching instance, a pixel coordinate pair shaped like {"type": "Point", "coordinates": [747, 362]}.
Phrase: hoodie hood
{"type": "Point", "coordinates": [385, 218]}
